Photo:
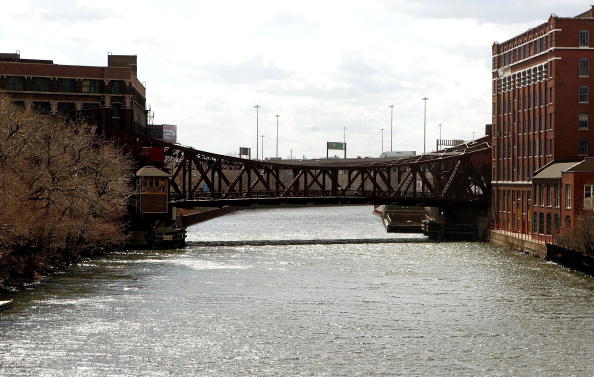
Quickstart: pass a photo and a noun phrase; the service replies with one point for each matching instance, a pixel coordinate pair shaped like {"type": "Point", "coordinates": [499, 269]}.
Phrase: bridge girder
{"type": "Point", "coordinates": [456, 175]}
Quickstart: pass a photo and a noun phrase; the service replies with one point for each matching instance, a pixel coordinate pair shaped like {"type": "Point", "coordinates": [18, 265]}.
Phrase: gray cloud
{"type": "Point", "coordinates": [503, 11]}
{"type": "Point", "coordinates": [292, 24]}
{"type": "Point", "coordinates": [248, 71]}
{"type": "Point", "coordinates": [70, 11]}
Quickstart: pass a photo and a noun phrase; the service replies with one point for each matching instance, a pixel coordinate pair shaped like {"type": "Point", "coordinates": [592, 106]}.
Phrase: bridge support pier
{"type": "Point", "coordinates": [455, 224]}
{"type": "Point", "coordinates": [157, 233]}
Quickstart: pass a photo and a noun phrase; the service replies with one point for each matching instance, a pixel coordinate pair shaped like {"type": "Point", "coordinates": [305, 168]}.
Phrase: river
{"type": "Point", "coordinates": [410, 308]}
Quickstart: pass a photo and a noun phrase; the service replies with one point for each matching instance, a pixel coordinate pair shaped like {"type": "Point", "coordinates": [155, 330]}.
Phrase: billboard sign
{"type": "Point", "coordinates": [170, 133]}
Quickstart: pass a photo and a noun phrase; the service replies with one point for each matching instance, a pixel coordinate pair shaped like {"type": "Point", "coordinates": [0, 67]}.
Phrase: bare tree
{"type": "Point", "coordinates": [62, 189]}
{"type": "Point", "coordinates": [581, 238]}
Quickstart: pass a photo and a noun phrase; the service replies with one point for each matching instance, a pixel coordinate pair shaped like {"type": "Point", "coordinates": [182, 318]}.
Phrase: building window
{"type": "Point", "coordinates": [541, 223]}
{"type": "Point", "coordinates": [66, 107]}
{"type": "Point", "coordinates": [67, 85]}
{"type": "Point", "coordinates": [90, 109]}
{"type": "Point", "coordinates": [583, 94]}
{"type": "Point", "coordinates": [584, 68]}
{"type": "Point", "coordinates": [41, 84]}
{"type": "Point", "coordinates": [117, 86]}
{"type": "Point", "coordinates": [549, 195]}
{"type": "Point", "coordinates": [567, 222]}
{"type": "Point", "coordinates": [557, 223]}
{"type": "Point", "coordinates": [568, 196]}
{"type": "Point", "coordinates": [42, 107]}
{"type": "Point", "coordinates": [584, 38]}
{"type": "Point", "coordinates": [549, 223]}
{"type": "Point", "coordinates": [90, 86]}
{"type": "Point", "coordinates": [588, 196]}
{"type": "Point", "coordinates": [583, 147]}
{"type": "Point", "coordinates": [116, 110]}
{"type": "Point", "coordinates": [15, 83]}
{"type": "Point", "coordinates": [583, 121]}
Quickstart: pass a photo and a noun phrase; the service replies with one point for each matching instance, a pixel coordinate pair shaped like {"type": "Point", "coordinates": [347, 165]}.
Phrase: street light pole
{"type": "Point", "coordinates": [382, 140]}
{"type": "Point", "coordinates": [262, 137]}
{"type": "Point", "coordinates": [277, 135]}
{"type": "Point", "coordinates": [391, 119]}
{"type": "Point", "coordinates": [425, 126]}
{"type": "Point", "coordinates": [257, 113]}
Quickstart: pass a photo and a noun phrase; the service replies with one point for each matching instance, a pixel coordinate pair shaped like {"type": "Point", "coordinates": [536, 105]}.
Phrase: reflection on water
{"type": "Point", "coordinates": [334, 310]}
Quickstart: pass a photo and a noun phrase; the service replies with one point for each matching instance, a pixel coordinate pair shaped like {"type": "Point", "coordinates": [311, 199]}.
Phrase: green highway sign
{"type": "Point", "coordinates": [334, 145]}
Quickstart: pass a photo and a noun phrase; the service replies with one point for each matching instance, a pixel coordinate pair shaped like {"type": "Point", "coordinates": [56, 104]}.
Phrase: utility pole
{"type": "Point", "coordinates": [262, 136]}
{"type": "Point", "coordinates": [277, 135]}
{"type": "Point", "coordinates": [382, 140]}
{"type": "Point", "coordinates": [391, 119]}
{"type": "Point", "coordinates": [257, 111]}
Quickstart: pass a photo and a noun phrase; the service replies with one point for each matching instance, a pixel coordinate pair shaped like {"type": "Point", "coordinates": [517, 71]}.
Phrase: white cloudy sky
{"type": "Point", "coordinates": [321, 65]}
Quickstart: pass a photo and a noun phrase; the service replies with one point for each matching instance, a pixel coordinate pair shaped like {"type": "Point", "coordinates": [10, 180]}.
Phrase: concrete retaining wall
{"type": "Point", "coordinates": [536, 249]}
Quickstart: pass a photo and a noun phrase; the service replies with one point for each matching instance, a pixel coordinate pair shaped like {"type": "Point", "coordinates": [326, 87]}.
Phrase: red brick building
{"type": "Point", "coordinates": [542, 114]}
{"type": "Point", "coordinates": [111, 95]}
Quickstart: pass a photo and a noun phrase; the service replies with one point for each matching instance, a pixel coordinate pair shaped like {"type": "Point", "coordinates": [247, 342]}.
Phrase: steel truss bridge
{"type": "Point", "coordinates": [455, 177]}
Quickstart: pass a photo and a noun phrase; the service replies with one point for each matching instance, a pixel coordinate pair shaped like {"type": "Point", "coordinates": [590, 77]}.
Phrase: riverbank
{"type": "Point", "coordinates": [18, 268]}
{"type": "Point", "coordinates": [545, 251]}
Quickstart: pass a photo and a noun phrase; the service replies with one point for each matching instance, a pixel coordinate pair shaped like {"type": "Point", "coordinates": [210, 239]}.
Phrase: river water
{"type": "Point", "coordinates": [404, 309]}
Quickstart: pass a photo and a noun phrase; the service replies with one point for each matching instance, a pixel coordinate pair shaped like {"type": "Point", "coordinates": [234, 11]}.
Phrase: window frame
{"type": "Point", "coordinates": [583, 94]}
{"type": "Point", "coordinates": [584, 38]}
{"type": "Point", "coordinates": [584, 67]}
{"type": "Point", "coordinates": [16, 83]}
{"type": "Point", "coordinates": [40, 84]}
{"type": "Point", "coordinates": [583, 147]}
{"type": "Point", "coordinates": [90, 86]}
{"type": "Point", "coordinates": [588, 189]}
{"type": "Point", "coordinates": [583, 124]}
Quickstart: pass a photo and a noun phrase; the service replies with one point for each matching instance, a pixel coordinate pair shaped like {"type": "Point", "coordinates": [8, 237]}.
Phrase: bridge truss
{"type": "Point", "coordinates": [456, 176]}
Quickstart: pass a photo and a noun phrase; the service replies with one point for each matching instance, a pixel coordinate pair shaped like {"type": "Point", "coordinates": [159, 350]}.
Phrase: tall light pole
{"type": "Point", "coordinates": [382, 139]}
{"type": "Point", "coordinates": [257, 107]}
{"type": "Point", "coordinates": [344, 140]}
{"type": "Point", "coordinates": [425, 125]}
{"type": "Point", "coordinates": [262, 137]}
{"type": "Point", "coordinates": [277, 135]}
{"type": "Point", "coordinates": [391, 119]}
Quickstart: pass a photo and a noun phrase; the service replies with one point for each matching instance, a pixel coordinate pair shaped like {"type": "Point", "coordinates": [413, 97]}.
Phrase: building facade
{"type": "Point", "coordinates": [111, 95]}
{"type": "Point", "coordinates": [541, 115]}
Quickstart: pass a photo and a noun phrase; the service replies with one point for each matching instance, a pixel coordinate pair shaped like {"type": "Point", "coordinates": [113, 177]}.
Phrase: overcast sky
{"type": "Point", "coordinates": [321, 65]}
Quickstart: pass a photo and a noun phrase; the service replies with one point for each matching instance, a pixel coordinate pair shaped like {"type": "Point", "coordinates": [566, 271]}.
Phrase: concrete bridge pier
{"type": "Point", "coordinates": [151, 232]}
{"type": "Point", "coordinates": [456, 224]}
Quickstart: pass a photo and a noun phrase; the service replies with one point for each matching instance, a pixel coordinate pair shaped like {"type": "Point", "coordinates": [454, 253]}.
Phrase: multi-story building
{"type": "Point", "coordinates": [542, 111]}
{"type": "Point", "coordinates": [111, 95]}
